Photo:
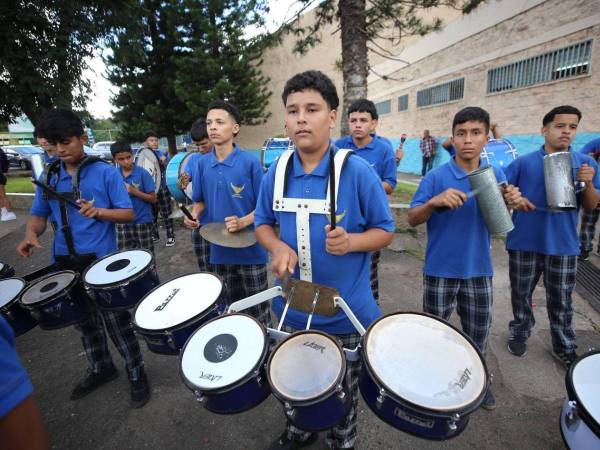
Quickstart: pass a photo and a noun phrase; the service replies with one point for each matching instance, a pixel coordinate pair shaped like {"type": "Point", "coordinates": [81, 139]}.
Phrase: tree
{"type": "Point", "coordinates": [45, 45]}
{"type": "Point", "coordinates": [364, 24]}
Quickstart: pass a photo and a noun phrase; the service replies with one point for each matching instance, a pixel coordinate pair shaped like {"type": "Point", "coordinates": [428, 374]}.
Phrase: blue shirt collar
{"type": "Point", "coordinates": [322, 169]}
{"type": "Point", "coordinates": [229, 161]}
{"type": "Point", "coordinates": [458, 171]}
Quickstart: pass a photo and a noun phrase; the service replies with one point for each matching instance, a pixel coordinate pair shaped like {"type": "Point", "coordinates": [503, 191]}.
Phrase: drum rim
{"type": "Point", "coordinates": [123, 282]}
{"type": "Point", "coordinates": [468, 409]}
{"type": "Point", "coordinates": [593, 425]}
{"type": "Point", "coordinates": [181, 325]}
{"type": "Point", "coordinates": [180, 160]}
{"type": "Point", "coordinates": [145, 150]}
{"type": "Point", "coordinates": [235, 384]}
{"type": "Point", "coordinates": [16, 298]}
{"type": "Point", "coordinates": [76, 279]}
{"type": "Point", "coordinates": [329, 392]}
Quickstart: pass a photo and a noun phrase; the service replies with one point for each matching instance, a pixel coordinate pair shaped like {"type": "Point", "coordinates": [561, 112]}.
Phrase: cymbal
{"type": "Point", "coordinates": [216, 233]}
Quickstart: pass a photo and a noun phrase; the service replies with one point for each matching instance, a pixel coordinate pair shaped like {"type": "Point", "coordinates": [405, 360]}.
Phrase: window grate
{"type": "Point", "coordinates": [384, 107]}
{"type": "Point", "coordinates": [442, 93]}
{"type": "Point", "coordinates": [403, 103]}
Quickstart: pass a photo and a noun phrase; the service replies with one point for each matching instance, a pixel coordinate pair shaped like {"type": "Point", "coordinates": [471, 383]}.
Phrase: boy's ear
{"type": "Point", "coordinates": [84, 138]}
{"type": "Point", "coordinates": [332, 118]}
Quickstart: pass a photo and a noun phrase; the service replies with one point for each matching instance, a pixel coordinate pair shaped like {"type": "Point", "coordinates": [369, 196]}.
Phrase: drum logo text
{"type": "Point", "coordinates": [423, 423]}
{"type": "Point", "coordinates": [464, 379]}
{"type": "Point", "coordinates": [167, 300]}
{"type": "Point", "coordinates": [209, 376]}
{"type": "Point", "coordinates": [315, 346]}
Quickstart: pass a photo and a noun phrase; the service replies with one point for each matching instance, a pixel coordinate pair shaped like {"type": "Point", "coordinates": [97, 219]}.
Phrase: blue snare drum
{"type": "Point", "coordinates": [120, 280]}
{"type": "Point", "coordinates": [429, 392]}
{"type": "Point", "coordinates": [174, 170]}
{"type": "Point", "coordinates": [6, 271]}
{"type": "Point", "coordinates": [18, 317]}
{"type": "Point", "coordinates": [580, 416]}
{"type": "Point", "coordinates": [223, 363]}
{"type": "Point", "coordinates": [56, 300]}
{"type": "Point", "coordinates": [307, 374]}
{"type": "Point", "coordinates": [171, 312]}
{"type": "Point", "coordinates": [499, 153]}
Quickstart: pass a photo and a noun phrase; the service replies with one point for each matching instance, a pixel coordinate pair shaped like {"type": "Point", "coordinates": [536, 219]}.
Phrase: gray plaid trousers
{"type": "Point", "coordinates": [202, 251]}
{"type": "Point", "coordinates": [163, 207]}
{"type": "Point", "coordinates": [587, 230]}
{"type": "Point", "coordinates": [135, 235]}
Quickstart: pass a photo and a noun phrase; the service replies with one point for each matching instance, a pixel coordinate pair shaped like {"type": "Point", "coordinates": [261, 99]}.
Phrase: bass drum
{"type": "Point", "coordinates": [499, 153]}
{"type": "Point", "coordinates": [147, 159]}
{"type": "Point", "coordinates": [175, 169]}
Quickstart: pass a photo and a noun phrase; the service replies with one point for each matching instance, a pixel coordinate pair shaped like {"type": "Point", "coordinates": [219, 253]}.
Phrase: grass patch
{"type": "Point", "coordinates": [19, 185]}
{"type": "Point", "coordinates": [409, 230]}
{"type": "Point", "coordinates": [416, 252]}
{"type": "Point", "coordinates": [403, 193]}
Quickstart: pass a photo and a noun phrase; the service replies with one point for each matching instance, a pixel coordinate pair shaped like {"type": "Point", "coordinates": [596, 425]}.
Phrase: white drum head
{"type": "Point", "coordinates": [177, 301]}
{"type": "Point", "coordinates": [118, 267]}
{"type": "Point", "coordinates": [222, 352]}
{"type": "Point", "coordinates": [425, 362]}
{"type": "Point", "coordinates": [147, 159]}
{"type": "Point", "coordinates": [10, 288]}
{"type": "Point", "coordinates": [305, 366]}
{"type": "Point", "coordinates": [47, 287]}
{"type": "Point", "coordinates": [586, 383]}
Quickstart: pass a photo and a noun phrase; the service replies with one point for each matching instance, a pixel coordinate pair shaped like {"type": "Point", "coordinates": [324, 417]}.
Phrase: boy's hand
{"type": "Point", "coordinates": [450, 198]}
{"type": "Point", "coordinates": [283, 260]}
{"type": "Point", "coordinates": [234, 223]}
{"type": "Point", "coordinates": [191, 224]}
{"type": "Point", "coordinates": [130, 189]}
{"type": "Point", "coordinates": [585, 174]}
{"type": "Point", "coordinates": [183, 181]}
{"type": "Point", "coordinates": [512, 196]}
{"type": "Point", "coordinates": [88, 209]}
{"type": "Point", "coordinates": [25, 247]}
{"type": "Point", "coordinates": [337, 241]}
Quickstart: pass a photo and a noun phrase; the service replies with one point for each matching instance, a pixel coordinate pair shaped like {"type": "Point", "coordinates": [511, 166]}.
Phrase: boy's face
{"type": "Point", "coordinates": [361, 124]}
{"type": "Point", "coordinates": [203, 145]}
{"type": "Point", "coordinates": [70, 150]}
{"type": "Point", "coordinates": [152, 142]}
{"type": "Point", "coordinates": [124, 159]}
{"type": "Point", "coordinates": [309, 120]}
{"type": "Point", "coordinates": [47, 146]}
{"type": "Point", "coordinates": [559, 133]}
{"type": "Point", "coordinates": [469, 138]}
{"type": "Point", "coordinates": [221, 126]}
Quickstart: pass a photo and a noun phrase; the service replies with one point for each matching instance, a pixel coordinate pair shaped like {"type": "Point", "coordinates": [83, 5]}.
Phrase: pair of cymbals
{"type": "Point", "coordinates": [216, 233]}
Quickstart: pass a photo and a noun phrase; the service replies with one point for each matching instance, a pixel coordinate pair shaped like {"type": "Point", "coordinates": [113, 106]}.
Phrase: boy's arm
{"type": "Point", "coordinates": [339, 241]}
{"type": "Point", "coordinates": [36, 225]}
{"type": "Point", "coordinates": [148, 197]}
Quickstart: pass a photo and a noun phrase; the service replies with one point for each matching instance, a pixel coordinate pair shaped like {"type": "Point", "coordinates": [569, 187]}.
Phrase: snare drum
{"type": "Point", "coordinates": [499, 153]}
{"type": "Point", "coordinates": [171, 312]}
{"type": "Point", "coordinates": [18, 317]}
{"type": "Point", "coordinates": [421, 375]}
{"type": "Point", "coordinates": [223, 363]}
{"type": "Point", "coordinates": [6, 271]}
{"type": "Point", "coordinates": [580, 416]}
{"type": "Point", "coordinates": [120, 280]}
{"type": "Point", "coordinates": [307, 374]}
{"type": "Point", "coordinates": [51, 300]}
{"type": "Point", "coordinates": [175, 169]}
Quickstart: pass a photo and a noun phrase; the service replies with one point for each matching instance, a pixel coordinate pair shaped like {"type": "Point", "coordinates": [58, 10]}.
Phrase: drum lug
{"type": "Point", "coordinates": [289, 411]}
{"type": "Point", "coordinates": [259, 379]}
{"type": "Point", "coordinates": [90, 293]}
{"type": "Point", "coordinates": [200, 398]}
{"type": "Point", "coordinates": [380, 398]}
{"type": "Point", "coordinates": [340, 392]}
{"type": "Point", "coordinates": [170, 341]}
{"type": "Point", "coordinates": [572, 416]}
{"type": "Point", "coordinates": [123, 291]}
{"type": "Point", "coordinates": [452, 422]}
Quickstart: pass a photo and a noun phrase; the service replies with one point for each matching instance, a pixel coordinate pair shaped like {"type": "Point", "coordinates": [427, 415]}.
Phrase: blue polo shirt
{"type": "Point", "coordinates": [458, 242]}
{"type": "Point", "coordinates": [100, 182]}
{"type": "Point", "coordinates": [229, 188]}
{"type": "Point", "coordinates": [190, 169]}
{"type": "Point", "coordinates": [591, 147]}
{"type": "Point", "coordinates": [15, 386]}
{"type": "Point", "coordinates": [362, 204]}
{"type": "Point", "coordinates": [538, 231]}
{"type": "Point", "coordinates": [140, 179]}
{"type": "Point", "coordinates": [379, 153]}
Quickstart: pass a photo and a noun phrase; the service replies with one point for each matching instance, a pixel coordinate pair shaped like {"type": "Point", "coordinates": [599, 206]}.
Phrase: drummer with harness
{"type": "Point", "coordinates": [85, 197]}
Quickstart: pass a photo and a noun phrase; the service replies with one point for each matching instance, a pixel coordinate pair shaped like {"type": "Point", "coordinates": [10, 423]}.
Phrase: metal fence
{"type": "Point", "coordinates": [442, 93]}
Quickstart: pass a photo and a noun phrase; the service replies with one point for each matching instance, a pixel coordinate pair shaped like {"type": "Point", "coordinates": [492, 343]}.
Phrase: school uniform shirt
{"type": "Point", "coordinates": [591, 147]}
{"type": "Point", "coordinates": [190, 169]}
{"type": "Point", "coordinates": [379, 153]}
{"type": "Point", "coordinates": [229, 188]}
{"type": "Point", "coordinates": [458, 242]}
{"type": "Point", "coordinates": [99, 182]}
{"type": "Point", "coordinates": [361, 205]}
{"type": "Point", "coordinates": [140, 179]}
{"type": "Point", "coordinates": [538, 231]}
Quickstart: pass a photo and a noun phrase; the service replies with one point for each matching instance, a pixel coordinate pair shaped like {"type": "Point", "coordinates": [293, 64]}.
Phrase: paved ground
{"type": "Point", "coordinates": [529, 390]}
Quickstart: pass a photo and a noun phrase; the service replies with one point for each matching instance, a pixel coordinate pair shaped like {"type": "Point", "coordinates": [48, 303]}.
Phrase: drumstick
{"type": "Point", "coordinates": [332, 189]}
{"type": "Point", "coordinates": [55, 194]}
{"type": "Point", "coordinates": [185, 211]}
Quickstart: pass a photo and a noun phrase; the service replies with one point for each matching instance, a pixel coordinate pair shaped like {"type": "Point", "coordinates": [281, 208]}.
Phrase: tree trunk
{"type": "Point", "coordinates": [354, 54]}
{"type": "Point", "coordinates": [172, 143]}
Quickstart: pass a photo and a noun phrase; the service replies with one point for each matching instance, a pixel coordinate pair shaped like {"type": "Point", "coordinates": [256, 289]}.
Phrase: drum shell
{"type": "Point", "coordinates": [558, 180]}
{"type": "Point", "coordinates": [19, 318]}
{"type": "Point", "coordinates": [577, 406]}
{"type": "Point", "coordinates": [490, 202]}
{"type": "Point", "coordinates": [574, 431]}
{"type": "Point", "coordinates": [172, 176]}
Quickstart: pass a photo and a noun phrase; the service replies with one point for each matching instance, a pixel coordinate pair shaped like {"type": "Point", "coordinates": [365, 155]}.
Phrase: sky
{"type": "Point", "coordinates": [99, 102]}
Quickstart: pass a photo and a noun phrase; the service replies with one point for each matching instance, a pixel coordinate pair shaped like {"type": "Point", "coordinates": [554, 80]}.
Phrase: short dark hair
{"type": "Point", "coordinates": [120, 147]}
{"type": "Point", "coordinates": [364, 105]}
{"type": "Point", "coordinates": [56, 125]}
{"type": "Point", "coordinates": [151, 133]}
{"type": "Point", "coordinates": [471, 113]}
{"type": "Point", "coordinates": [198, 131]}
{"type": "Point", "coordinates": [316, 81]}
{"type": "Point", "coordinates": [230, 108]}
{"type": "Point", "coordinates": [564, 109]}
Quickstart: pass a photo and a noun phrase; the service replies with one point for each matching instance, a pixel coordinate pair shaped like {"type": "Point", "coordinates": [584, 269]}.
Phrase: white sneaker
{"type": "Point", "coordinates": [8, 215]}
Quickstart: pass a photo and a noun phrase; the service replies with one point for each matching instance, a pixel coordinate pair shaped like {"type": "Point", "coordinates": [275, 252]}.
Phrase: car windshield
{"type": "Point", "coordinates": [28, 150]}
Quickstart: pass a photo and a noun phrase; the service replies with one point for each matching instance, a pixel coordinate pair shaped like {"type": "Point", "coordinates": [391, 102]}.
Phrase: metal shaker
{"type": "Point", "coordinates": [490, 201]}
{"type": "Point", "coordinates": [558, 178]}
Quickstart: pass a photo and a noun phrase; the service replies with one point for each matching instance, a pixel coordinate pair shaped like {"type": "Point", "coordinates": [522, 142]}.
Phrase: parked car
{"type": "Point", "coordinates": [20, 155]}
{"type": "Point", "coordinates": [101, 150]}
{"type": "Point", "coordinates": [272, 150]}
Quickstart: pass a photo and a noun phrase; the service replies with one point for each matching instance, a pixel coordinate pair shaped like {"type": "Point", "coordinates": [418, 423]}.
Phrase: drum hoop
{"type": "Point", "coordinates": [124, 282]}
{"type": "Point", "coordinates": [235, 384]}
{"type": "Point", "coordinates": [572, 393]}
{"type": "Point", "coordinates": [41, 303]}
{"type": "Point", "coordinates": [16, 298]}
{"type": "Point", "coordinates": [187, 322]}
{"type": "Point", "coordinates": [329, 392]}
{"type": "Point", "coordinates": [443, 413]}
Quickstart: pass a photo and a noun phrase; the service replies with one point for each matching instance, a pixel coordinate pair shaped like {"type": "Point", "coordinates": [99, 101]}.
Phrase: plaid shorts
{"type": "Point", "coordinates": [375, 257]}
{"type": "Point", "coordinates": [342, 435]}
{"type": "Point", "coordinates": [135, 235]}
{"type": "Point", "coordinates": [163, 207]}
{"type": "Point", "coordinates": [525, 269]}
{"type": "Point", "coordinates": [472, 298]}
{"type": "Point", "coordinates": [202, 250]}
{"type": "Point", "coordinates": [587, 229]}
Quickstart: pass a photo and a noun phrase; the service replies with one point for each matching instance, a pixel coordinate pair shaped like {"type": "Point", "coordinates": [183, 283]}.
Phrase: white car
{"type": "Point", "coordinates": [102, 150]}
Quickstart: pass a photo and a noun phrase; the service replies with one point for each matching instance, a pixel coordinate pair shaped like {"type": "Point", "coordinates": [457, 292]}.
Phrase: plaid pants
{"type": "Point", "coordinates": [472, 298]}
{"type": "Point", "coordinates": [242, 281]}
{"type": "Point", "coordinates": [135, 235]}
{"type": "Point", "coordinates": [120, 330]}
{"type": "Point", "coordinates": [344, 434]}
{"type": "Point", "coordinates": [589, 218]}
{"type": "Point", "coordinates": [202, 250]}
{"type": "Point", "coordinates": [163, 206]}
{"type": "Point", "coordinates": [525, 269]}
{"type": "Point", "coordinates": [375, 257]}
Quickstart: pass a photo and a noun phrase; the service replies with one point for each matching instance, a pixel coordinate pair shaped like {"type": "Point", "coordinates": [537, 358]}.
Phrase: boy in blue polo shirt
{"type": "Point", "coordinates": [546, 242]}
{"type": "Point", "coordinates": [225, 189]}
{"type": "Point", "coordinates": [104, 202]}
{"type": "Point", "coordinates": [378, 152]}
{"type": "Point", "coordinates": [339, 258]}
{"type": "Point", "coordinates": [589, 218]}
{"type": "Point", "coordinates": [140, 187]}
{"type": "Point", "coordinates": [458, 272]}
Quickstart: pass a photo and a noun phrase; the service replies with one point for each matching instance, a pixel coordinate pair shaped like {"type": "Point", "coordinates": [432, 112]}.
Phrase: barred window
{"type": "Point", "coordinates": [558, 64]}
{"type": "Point", "coordinates": [442, 93]}
{"type": "Point", "coordinates": [384, 107]}
{"type": "Point", "coordinates": [403, 103]}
